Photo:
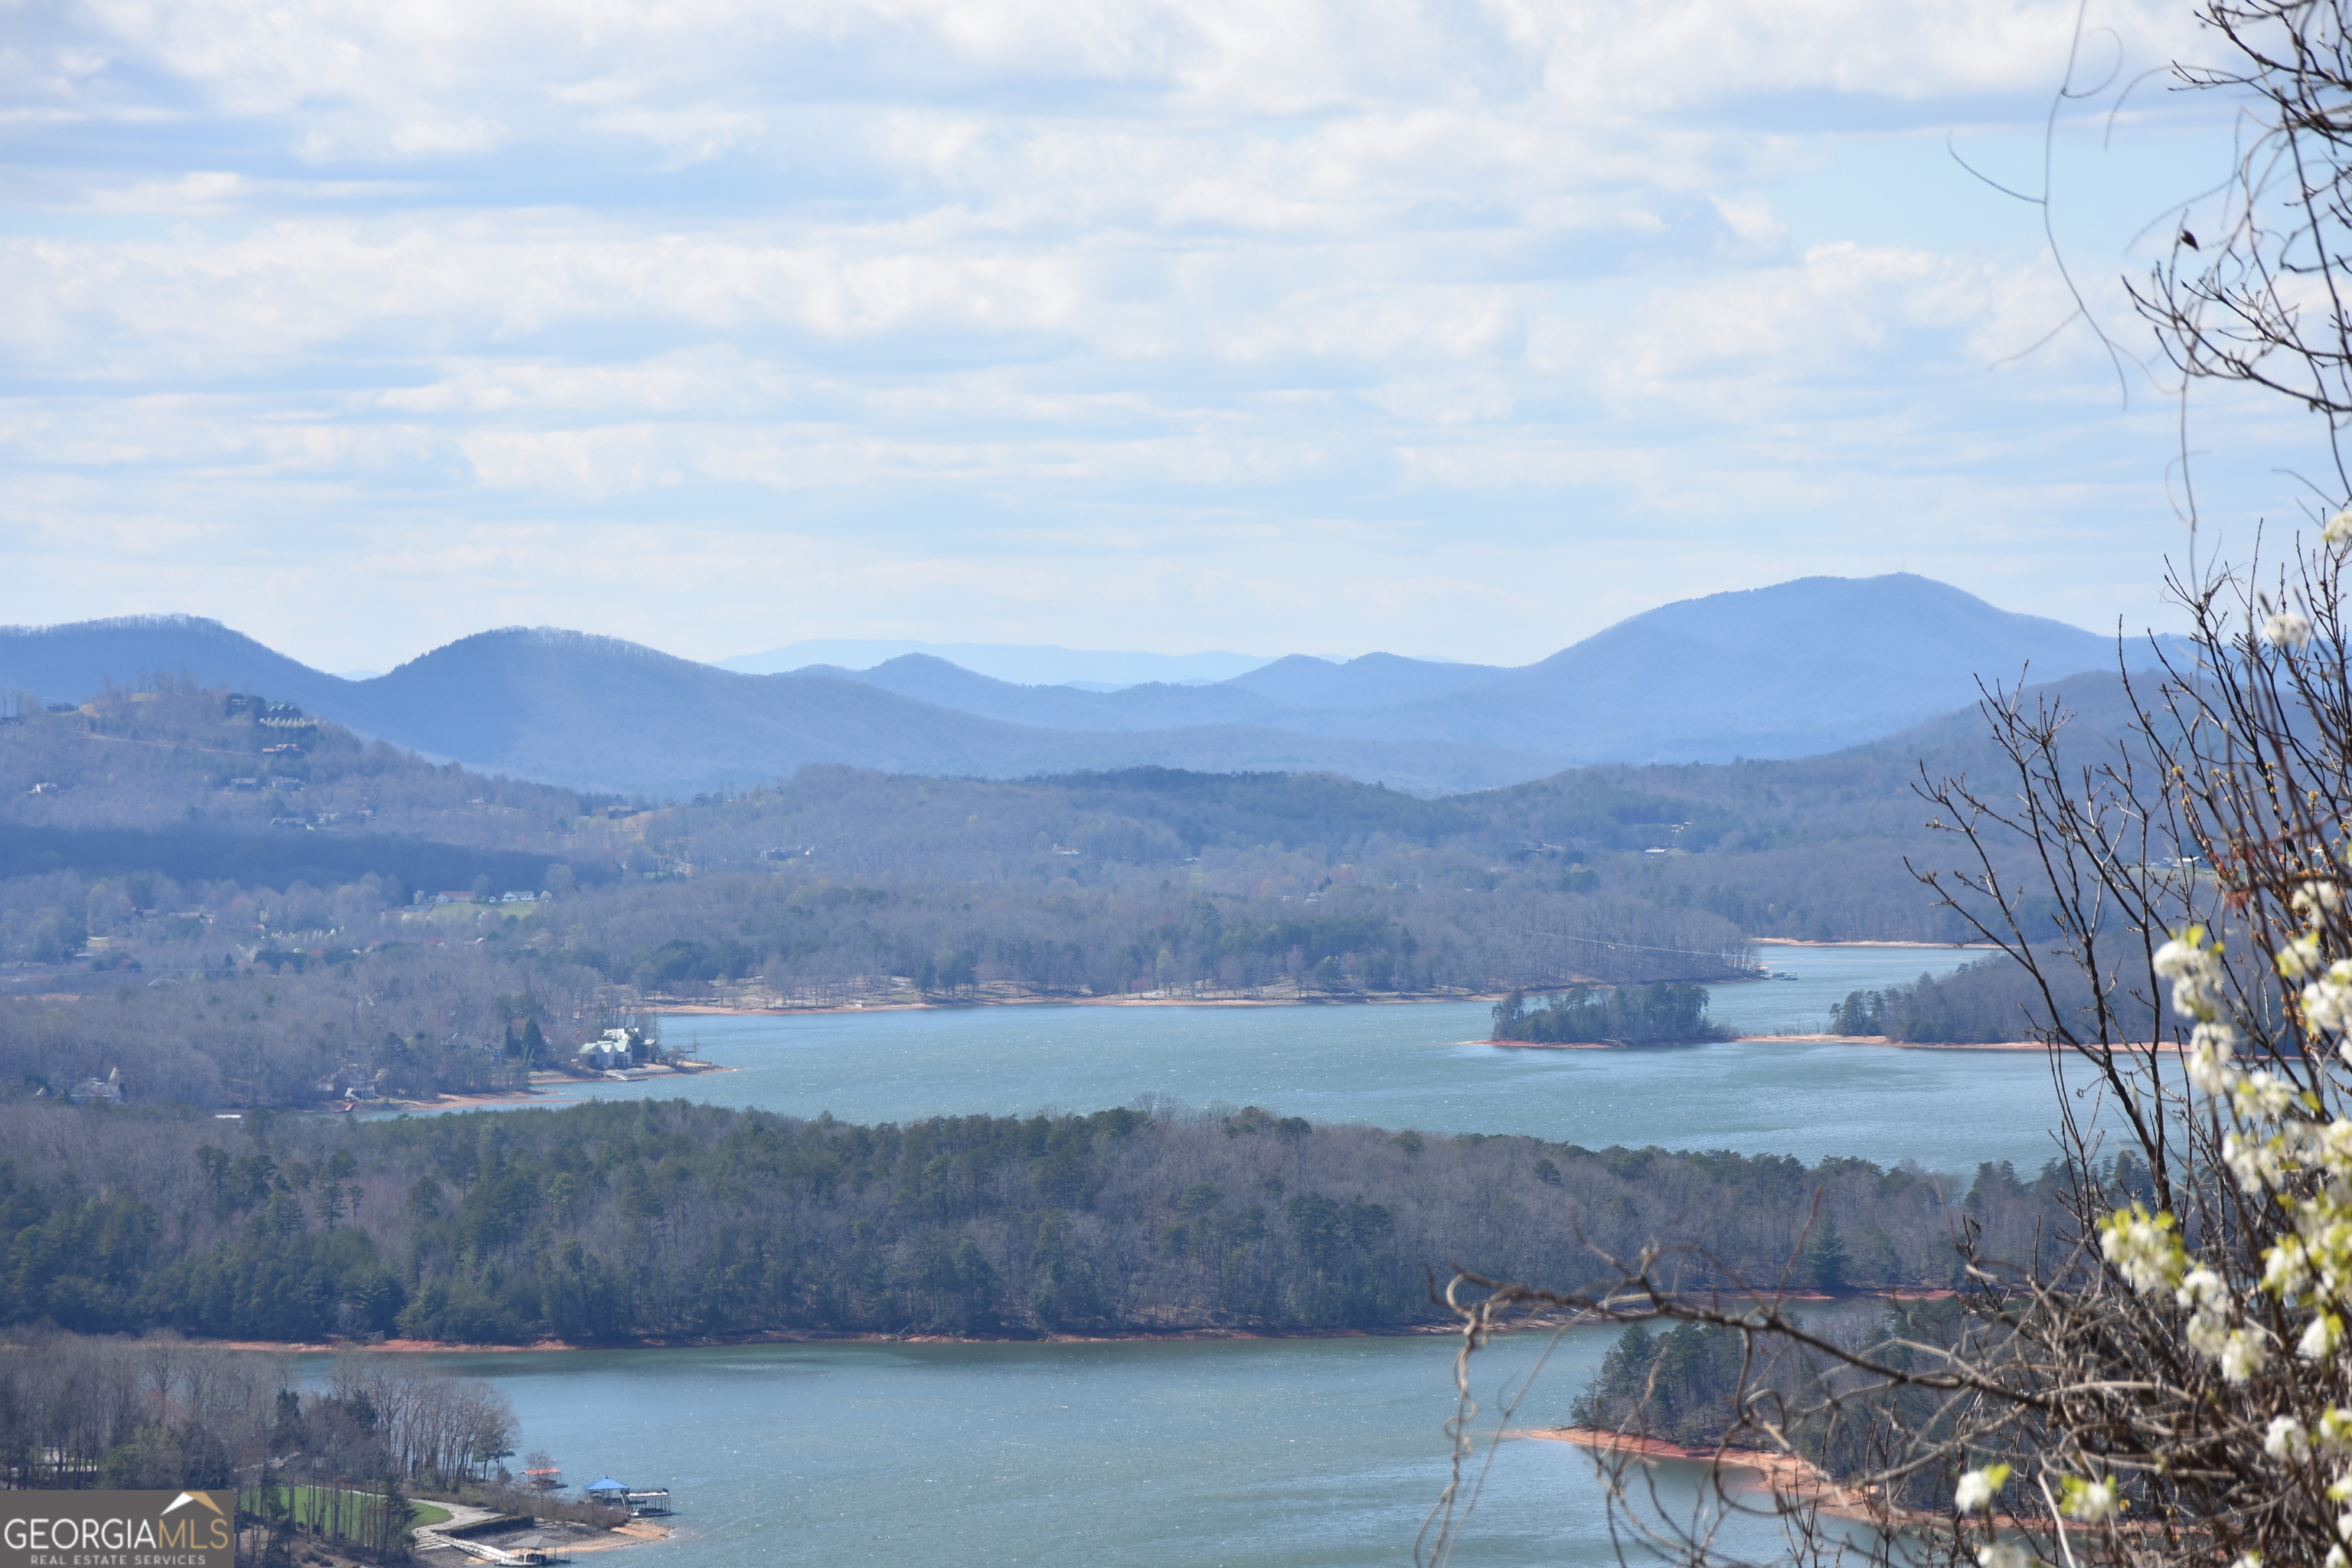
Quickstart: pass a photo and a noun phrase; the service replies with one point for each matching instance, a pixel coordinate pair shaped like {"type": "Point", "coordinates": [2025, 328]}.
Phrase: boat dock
{"type": "Point", "coordinates": [641, 1502]}
{"type": "Point", "coordinates": [528, 1554]}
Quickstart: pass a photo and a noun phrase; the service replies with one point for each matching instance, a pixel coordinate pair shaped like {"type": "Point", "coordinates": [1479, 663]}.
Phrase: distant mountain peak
{"type": "Point", "coordinates": [1794, 668]}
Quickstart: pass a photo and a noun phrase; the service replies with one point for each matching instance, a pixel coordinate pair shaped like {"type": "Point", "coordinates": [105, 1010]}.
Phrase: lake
{"type": "Point", "coordinates": [1406, 1065]}
{"type": "Point", "coordinates": [1269, 1454]}
{"type": "Point", "coordinates": [1249, 1453]}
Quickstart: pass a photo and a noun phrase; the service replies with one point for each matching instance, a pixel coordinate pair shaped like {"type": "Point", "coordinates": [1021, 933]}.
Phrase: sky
{"type": "Point", "coordinates": [1432, 326]}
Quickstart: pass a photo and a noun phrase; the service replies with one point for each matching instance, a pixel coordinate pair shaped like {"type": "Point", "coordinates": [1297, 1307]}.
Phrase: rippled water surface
{"type": "Point", "coordinates": [1407, 1065]}
{"type": "Point", "coordinates": [1282, 1453]}
{"type": "Point", "coordinates": [1268, 1453]}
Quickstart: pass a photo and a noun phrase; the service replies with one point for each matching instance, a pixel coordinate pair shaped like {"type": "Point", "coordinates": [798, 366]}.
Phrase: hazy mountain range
{"type": "Point", "coordinates": [1797, 668]}
{"type": "Point", "coordinates": [1093, 669]}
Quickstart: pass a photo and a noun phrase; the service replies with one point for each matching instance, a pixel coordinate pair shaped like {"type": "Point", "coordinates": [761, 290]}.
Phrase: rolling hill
{"type": "Point", "coordinates": [1799, 668]}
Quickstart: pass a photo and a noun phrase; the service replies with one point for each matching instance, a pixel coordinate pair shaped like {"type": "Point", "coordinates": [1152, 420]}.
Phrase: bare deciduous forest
{"type": "Point", "coordinates": [228, 902]}
{"type": "Point", "coordinates": [630, 1220]}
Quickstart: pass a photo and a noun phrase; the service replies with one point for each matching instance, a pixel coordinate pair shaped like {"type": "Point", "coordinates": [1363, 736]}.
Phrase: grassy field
{"type": "Point", "coordinates": [316, 1505]}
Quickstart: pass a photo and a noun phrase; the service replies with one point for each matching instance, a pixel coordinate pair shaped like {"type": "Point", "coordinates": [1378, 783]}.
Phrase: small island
{"type": "Point", "coordinates": [1671, 1013]}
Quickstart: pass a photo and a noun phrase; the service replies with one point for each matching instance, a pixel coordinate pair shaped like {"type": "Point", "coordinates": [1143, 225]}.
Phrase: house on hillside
{"type": "Point", "coordinates": [107, 1089]}
{"type": "Point", "coordinates": [617, 1050]}
{"type": "Point", "coordinates": [611, 1049]}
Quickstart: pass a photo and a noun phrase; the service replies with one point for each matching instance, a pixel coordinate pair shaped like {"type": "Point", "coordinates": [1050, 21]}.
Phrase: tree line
{"type": "Point", "coordinates": [243, 964]}
{"type": "Point", "coordinates": [621, 1221]}
{"type": "Point", "coordinates": [1997, 1000]}
{"type": "Point", "coordinates": [1660, 1014]}
{"type": "Point", "coordinates": [338, 1462]}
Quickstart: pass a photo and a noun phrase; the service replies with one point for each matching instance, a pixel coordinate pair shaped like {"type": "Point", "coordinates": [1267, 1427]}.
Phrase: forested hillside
{"type": "Point", "coordinates": [1769, 672]}
{"type": "Point", "coordinates": [230, 902]}
{"type": "Point", "coordinates": [620, 1221]}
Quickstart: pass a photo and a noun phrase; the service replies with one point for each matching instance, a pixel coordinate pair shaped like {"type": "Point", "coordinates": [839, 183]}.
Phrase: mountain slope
{"type": "Point", "coordinates": [1042, 665]}
{"type": "Point", "coordinates": [599, 713]}
{"type": "Point", "coordinates": [1796, 669]}
{"type": "Point", "coordinates": [1800, 667]}
{"type": "Point", "coordinates": [1152, 706]}
{"type": "Point", "coordinates": [565, 705]}
{"type": "Point", "coordinates": [1375, 680]}
{"type": "Point", "coordinates": [68, 663]}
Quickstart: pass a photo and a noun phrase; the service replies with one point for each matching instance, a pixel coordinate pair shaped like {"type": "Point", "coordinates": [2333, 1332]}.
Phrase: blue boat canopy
{"type": "Point", "coordinates": [607, 1485]}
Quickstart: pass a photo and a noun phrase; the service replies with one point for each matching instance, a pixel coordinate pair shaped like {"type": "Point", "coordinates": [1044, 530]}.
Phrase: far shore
{"type": "Point", "coordinates": [1779, 1039]}
{"type": "Point", "coordinates": [902, 1003]}
{"type": "Point", "coordinates": [1530, 1322]}
{"type": "Point", "coordinates": [679, 1009]}
{"type": "Point", "coordinates": [531, 1096]}
{"type": "Point", "coordinates": [1783, 1474]}
{"type": "Point", "coordinates": [1944, 946]}
{"type": "Point", "coordinates": [1780, 1471]}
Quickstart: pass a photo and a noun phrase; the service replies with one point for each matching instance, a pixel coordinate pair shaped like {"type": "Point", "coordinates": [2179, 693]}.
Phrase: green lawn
{"type": "Point", "coordinates": [312, 1505]}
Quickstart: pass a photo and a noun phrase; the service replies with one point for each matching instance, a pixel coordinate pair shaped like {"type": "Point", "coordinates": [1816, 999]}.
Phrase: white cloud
{"type": "Point", "coordinates": [1128, 320]}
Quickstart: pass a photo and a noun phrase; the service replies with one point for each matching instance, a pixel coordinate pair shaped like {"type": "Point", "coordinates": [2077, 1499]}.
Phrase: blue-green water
{"type": "Point", "coordinates": [1404, 1065]}
{"type": "Point", "coordinates": [1274, 1454]}
{"type": "Point", "coordinates": [1282, 1454]}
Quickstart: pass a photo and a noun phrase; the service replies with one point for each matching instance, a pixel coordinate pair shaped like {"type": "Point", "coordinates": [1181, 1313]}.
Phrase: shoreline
{"type": "Point", "coordinates": [1532, 1322]}
{"type": "Point", "coordinates": [1773, 1039]}
{"type": "Point", "coordinates": [1781, 1475]}
{"type": "Point", "coordinates": [714, 1009]}
{"type": "Point", "coordinates": [1941, 946]}
{"type": "Point", "coordinates": [1153, 999]}
{"type": "Point", "coordinates": [822, 1337]}
{"type": "Point", "coordinates": [530, 1095]}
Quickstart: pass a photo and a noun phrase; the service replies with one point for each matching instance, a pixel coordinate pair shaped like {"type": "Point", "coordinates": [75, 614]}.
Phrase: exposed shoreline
{"type": "Point", "coordinates": [688, 1009]}
{"type": "Point", "coordinates": [520, 1096]}
{"type": "Point", "coordinates": [1776, 1039]}
{"type": "Point", "coordinates": [1943, 946]}
{"type": "Point", "coordinates": [1531, 1322]}
{"type": "Point", "coordinates": [1784, 1475]}
{"type": "Point", "coordinates": [821, 1337]}
{"type": "Point", "coordinates": [1391, 999]}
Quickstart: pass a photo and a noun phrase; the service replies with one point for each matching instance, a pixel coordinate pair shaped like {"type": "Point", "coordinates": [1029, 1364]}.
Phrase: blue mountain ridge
{"type": "Point", "coordinates": [1794, 669]}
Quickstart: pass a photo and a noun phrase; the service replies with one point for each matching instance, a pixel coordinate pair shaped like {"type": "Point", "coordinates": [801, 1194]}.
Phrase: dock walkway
{"type": "Point", "coordinates": [528, 1558]}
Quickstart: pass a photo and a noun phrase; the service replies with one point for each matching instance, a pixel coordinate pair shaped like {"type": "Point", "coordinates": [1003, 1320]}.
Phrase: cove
{"type": "Point", "coordinates": [1405, 1066]}
{"type": "Point", "coordinates": [1253, 1454]}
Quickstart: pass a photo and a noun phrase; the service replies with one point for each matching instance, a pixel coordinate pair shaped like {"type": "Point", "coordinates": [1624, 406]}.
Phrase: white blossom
{"type": "Point", "coordinates": [2142, 1248]}
{"type": "Point", "coordinates": [1978, 1488]}
{"type": "Point", "coordinates": [2319, 1342]}
{"type": "Point", "coordinates": [2327, 1001]}
{"type": "Point", "coordinates": [2208, 1061]}
{"type": "Point", "coordinates": [2287, 1438]}
{"type": "Point", "coordinates": [2093, 1502]}
{"type": "Point", "coordinates": [2286, 1268]}
{"type": "Point", "coordinates": [2287, 628]}
{"type": "Point", "coordinates": [2201, 1289]}
{"type": "Point", "coordinates": [2300, 958]}
{"type": "Point", "coordinates": [2182, 954]}
{"type": "Point", "coordinates": [2262, 1095]}
{"type": "Point", "coordinates": [2254, 1161]}
{"type": "Point", "coordinates": [2242, 1354]}
{"type": "Point", "coordinates": [2006, 1554]}
{"type": "Point", "coordinates": [2334, 1429]}
{"type": "Point", "coordinates": [2338, 528]}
